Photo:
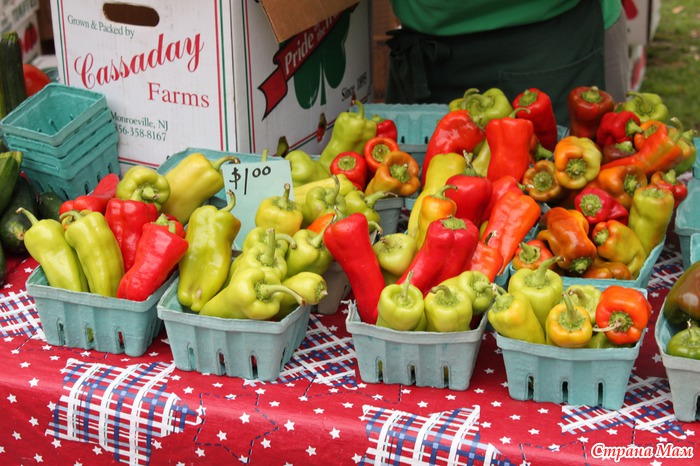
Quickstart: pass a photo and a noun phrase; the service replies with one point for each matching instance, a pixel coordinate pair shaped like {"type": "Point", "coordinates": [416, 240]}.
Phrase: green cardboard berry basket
{"type": "Point", "coordinates": [424, 359]}
{"type": "Point", "coordinates": [688, 219]}
{"type": "Point", "coordinates": [683, 374]}
{"type": "Point", "coordinates": [580, 376]}
{"type": "Point", "coordinates": [251, 349]}
{"type": "Point", "coordinates": [90, 321]}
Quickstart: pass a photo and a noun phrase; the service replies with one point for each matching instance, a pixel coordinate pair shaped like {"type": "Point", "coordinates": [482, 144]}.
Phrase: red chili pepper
{"type": "Point", "coordinates": [353, 166]}
{"type": "Point", "coordinates": [442, 255]}
{"type": "Point", "coordinates": [587, 105]}
{"type": "Point", "coordinates": [598, 205]}
{"type": "Point", "coordinates": [386, 128]}
{"type": "Point", "coordinates": [376, 149]}
{"type": "Point", "coordinates": [499, 187]}
{"type": "Point", "coordinates": [126, 219]}
{"type": "Point", "coordinates": [512, 217]}
{"type": "Point", "coordinates": [157, 255]}
{"type": "Point", "coordinates": [486, 259]}
{"type": "Point", "coordinates": [541, 115]}
{"type": "Point", "coordinates": [472, 195]}
{"type": "Point", "coordinates": [455, 132]}
{"type": "Point", "coordinates": [509, 139]}
{"type": "Point", "coordinates": [97, 200]}
{"type": "Point", "coordinates": [348, 241]}
{"type": "Point", "coordinates": [617, 127]}
{"type": "Point", "coordinates": [667, 179]}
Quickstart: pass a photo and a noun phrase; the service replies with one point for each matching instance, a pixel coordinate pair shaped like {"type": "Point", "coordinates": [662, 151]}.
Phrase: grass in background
{"type": "Point", "coordinates": [673, 61]}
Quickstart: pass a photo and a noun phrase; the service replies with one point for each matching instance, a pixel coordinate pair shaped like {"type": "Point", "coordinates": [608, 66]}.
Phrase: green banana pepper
{"type": "Point", "coordinates": [395, 252]}
{"type": "Point", "coordinates": [683, 299]}
{"type": "Point", "coordinates": [600, 341]}
{"type": "Point", "coordinates": [280, 213]}
{"type": "Point", "coordinates": [484, 107]}
{"type": "Point", "coordinates": [478, 286]}
{"type": "Point", "coordinates": [205, 265]}
{"type": "Point", "coordinates": [46, 243]}
{"type": "Point", "coordinates": [357, 201]}
{"type": "Point", "coordinates": [401, 307]}
{"type": "Point", "coordinates": [97, 249]}
{"type": "Point", "coordinates": [260, 235]}
{"type": "Point", "coordinates": [310, 253]}
{"type": "Point", "coordinates": [447, 309]}
{"type": "Point", "coordinates": [350, 133]}
{"type": "Point", "coordinates": [585, 296]}
{"type": "Point", "coordinates": [309, 285]}
{"type": "Point", "coordinates": [265, 256]}
{"type": "Point", "coordinates": [686, 343]}
{"type": "Point", "coordinates": [321, 200]}
{"type": "Point", "coordinates": [646, 105]}
{"type": "Point", "coordinates": [511, 315]}
{"type": "Point", "coordinates": [542, 286]}
{"type": "Point", "coordinates": [141, 183]}
{"type": "Point", "coordinates": [650, 215]}
{"type": "Point", "coordinates": [305, 169]}
{"type": "Point", "coordinates": [254, 294]}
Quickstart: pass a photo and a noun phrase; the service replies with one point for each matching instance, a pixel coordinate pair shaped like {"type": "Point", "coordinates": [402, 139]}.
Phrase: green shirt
{"type": "Point", "coordinates": [454, 17]}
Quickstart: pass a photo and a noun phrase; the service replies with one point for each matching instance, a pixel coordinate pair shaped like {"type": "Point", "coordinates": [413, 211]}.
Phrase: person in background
{"type": "Point", "coordinates": [445, 47]}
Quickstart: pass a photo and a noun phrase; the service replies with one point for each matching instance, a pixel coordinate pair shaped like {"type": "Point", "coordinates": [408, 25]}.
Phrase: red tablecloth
{"type": "Point", "coordinates": [72, 406]}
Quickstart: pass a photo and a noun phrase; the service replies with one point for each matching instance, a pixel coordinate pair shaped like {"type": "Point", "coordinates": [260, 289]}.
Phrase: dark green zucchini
{"type": "Point", "coordinates": [13, 225]}
{"type": "Point", "coordinates": [13, 88]}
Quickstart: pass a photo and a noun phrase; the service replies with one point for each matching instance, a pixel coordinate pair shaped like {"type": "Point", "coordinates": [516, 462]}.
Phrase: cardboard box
{"type": "Point", "coordinates": [643, 18]}
{"type": "Point", "coordinates": [226, 75]}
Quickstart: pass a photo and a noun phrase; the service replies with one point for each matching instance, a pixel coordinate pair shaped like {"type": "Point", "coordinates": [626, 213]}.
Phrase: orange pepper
{"type": "Point", "coordinates": [398, 173]}
{"type": "Point", "coordinates": [434, 207]}
{"type": "Point", "coordinates": [566, 233]}
{"type": "Point", "coordinates": [621, 182]}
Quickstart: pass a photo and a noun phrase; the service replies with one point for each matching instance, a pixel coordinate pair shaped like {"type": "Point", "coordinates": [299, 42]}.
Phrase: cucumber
{"type": "Point", "coordinates": [48, 205]}
{"type": "Point", "coordinates": [12, 73]}
{"type": "Point", "coordinates": [10, 163]}
{"type": "Point", "coordinates": [13, 225]}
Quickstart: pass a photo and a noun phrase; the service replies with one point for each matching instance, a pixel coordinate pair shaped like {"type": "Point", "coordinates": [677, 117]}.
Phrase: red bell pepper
{"type": "Point", "coordinates": [353, 166]}
{"type": "Point", "coordinates": [348, 241]}
{"type": "Point", "coordinates": [667, 179]}
{"type": "Point", "coordinates": [126, 219]}
{"type": "Point", "coordinates": [617, 127]}
{"type": "Point", "coordinates": [376, 149]}
{"type": "Point", "coordinates": [455, 132]}
{"type": "Point", "coordinates": [541, 115]}
{"type": "Point", "coordinates": [472, 195]}
{"type": "Point", "coordinates": [97, 200]}
{"type": "Point", "coordinates": [157, 255]}
{"type": "Point", "coordinates": [623, 313]}
{"type": "Point", "coordinates": [509, 139]}
{"type": "Point", "coordinates": [449, 243]}
{"type": "Point", "coordinates": [598, 205]}
{"type": "Point", "coordinates": [386, 128]}
{"type": "Point", "coordinates": [587, 105]}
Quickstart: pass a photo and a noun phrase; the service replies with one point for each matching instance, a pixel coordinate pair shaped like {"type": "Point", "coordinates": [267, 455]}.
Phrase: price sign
{"type": "Point", "coordinates": [252, 182]}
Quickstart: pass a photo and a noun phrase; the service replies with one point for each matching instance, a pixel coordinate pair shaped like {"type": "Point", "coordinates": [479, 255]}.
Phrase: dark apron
{"type": "Point", "coordinates": [554, 56]}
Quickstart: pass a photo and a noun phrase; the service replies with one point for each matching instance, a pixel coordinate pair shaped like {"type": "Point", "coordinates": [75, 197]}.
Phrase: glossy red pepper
{"type": "Point", "coordinates": [126, 219]}
{"type": "Point", "coordinates": [472, 195]}
{"type": "Point", "coordinates": [499, 187]}
{"type": "Point", "coordinates": [486, 259]}
{"type": "Point", "coordinates": [157, 255]}
{"type": "Point", "coordinates": [587, 105]}
{"type": "Point", "coordinates": [352, 165]}
{"type": "Point", "coordinates": [667, 179]}
{"type": "Point", "coordinates": [455, 132]}
{"type": "Point", "coordinates": [617, 127]}
{"type": "Point", "coordinates": [613, 152]}
{"type": "Point", "coordinates": [376, 149]}
{"type": "Point", "coordinates": [97, 200]}
{"type": "Point", "coordinates": [598, 205]}
{"type": "Point", "coordinates": [623, 313]}
{"type": "Point", "coordinates": [541, 115]}
{"type": "Point", "coordinates": [442, 254]}
{"type": "Point", "coordinates": [348, 241]}
{"type": "Point", "coordinates": [509, 139]}
{"type": "Point", "coordinates": [386, 128]}
{"type": "Point", "coordinates": [531, 254]}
